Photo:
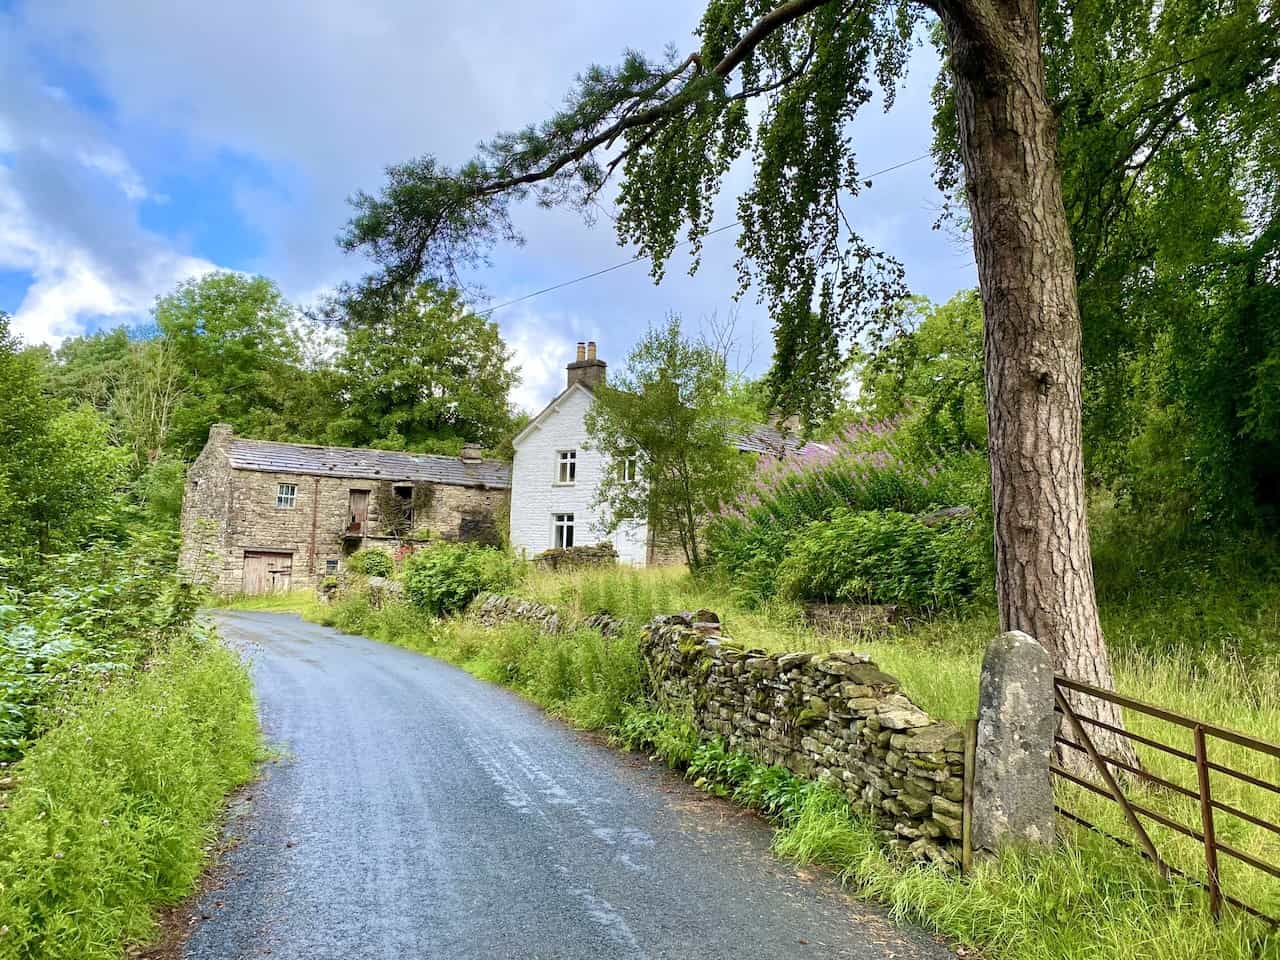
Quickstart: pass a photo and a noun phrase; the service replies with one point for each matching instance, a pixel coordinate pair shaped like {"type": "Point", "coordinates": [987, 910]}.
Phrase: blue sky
{"type": "Point", "coordinates": [143, 143]}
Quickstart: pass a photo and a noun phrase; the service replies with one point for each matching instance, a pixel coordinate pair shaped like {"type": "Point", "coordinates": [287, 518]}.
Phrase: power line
{"type": "Point", "coordinates": [683, 243]}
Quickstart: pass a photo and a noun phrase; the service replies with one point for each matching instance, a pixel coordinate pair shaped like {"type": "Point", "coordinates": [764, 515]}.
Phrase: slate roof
{"type": "Point", "coordinates": [268, 456]}
{"type": "Point", "coordinates": [758, 438]}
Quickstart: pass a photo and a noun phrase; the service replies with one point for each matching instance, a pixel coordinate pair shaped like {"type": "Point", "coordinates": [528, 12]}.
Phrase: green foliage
{"type": "Point", "coordinates": [58, 476]}
{"type": "Point", "coordinates": [371, 562]}
{"type": "Point", "coordinates": [428, 371]}
{"type": "Point", "coordinates": [1167, 132]}
{"type": "Point", "coordinates": [775, 791]}
{"type": "Point", "coordinates": [674, 739]}
{"type": "Point", "coordinates": [861, 556]}
{"type": "Point", "coordinates": [115, 809]}
{"type": "Point", "coordinates": [865, 468]}
{"type": "Point", "coordinates": [232, 338]}
{"type": "Point", "coordinates": [80, 617]}
{"type": "Point", "coordinates": [670, 409]}
{"type": "Point", "coordinates": [444, 577]}
{"type": "Point", "coordinates": [931, 377]}
{"type": "Point", "coordinates": [159, 492]}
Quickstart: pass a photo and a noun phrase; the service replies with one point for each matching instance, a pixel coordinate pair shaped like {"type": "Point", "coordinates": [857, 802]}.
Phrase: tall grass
{"type": "Point", "coordinates": [114, 809]}
{"type": "Point", "coordinates": [1086, 900]}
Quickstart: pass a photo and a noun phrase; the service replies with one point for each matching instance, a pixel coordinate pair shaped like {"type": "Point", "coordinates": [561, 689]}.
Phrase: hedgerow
{"type": "Point", "coordinates": [864, 469]}
{"type": "Point", "coordinates": [864, 556]}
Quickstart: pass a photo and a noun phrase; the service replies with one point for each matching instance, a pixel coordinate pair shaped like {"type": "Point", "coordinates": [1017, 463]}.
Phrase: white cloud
{"type": "Point", "coordinates": [115, 167]}
{"type": "Point", "coordinates": [69, 201]}
{"type": "Point", "coordinates": [69, 284]}
{"type": "Point", "coordinates": [541, 351]}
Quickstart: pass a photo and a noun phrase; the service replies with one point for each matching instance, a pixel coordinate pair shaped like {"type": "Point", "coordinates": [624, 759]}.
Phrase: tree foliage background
{"type": "Point", "coordinates": [97, 434]}
{"type": "Point", "coordinates": [1169, 144]}
{"type": "Point", "coordinates": [670, 408]}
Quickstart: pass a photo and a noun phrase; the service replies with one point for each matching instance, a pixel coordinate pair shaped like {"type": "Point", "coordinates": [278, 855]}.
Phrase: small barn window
{"type": "Point", "coordinates": [331, 566]}
{"type": "Point", "coordinates": [568, 472]}
{"type": "Point", "coordinates": [287, 495]}
{"type": "Point", "coordinates": [629, 469]}
{"type": "Point", "coordinates": [562, 525]}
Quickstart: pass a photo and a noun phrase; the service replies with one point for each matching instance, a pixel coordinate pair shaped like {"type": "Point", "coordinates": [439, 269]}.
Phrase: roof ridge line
{"type": "Point", "coordinates": [326, 446]}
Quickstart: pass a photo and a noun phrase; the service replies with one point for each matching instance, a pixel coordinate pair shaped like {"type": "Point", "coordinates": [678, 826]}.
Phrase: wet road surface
{"type": "Point", "coordinates": [417, 812]}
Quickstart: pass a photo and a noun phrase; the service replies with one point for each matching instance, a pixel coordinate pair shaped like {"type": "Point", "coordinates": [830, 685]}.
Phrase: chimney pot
{"type": "Point", "coordinates": [588, 369]}
{"type": "Point", "coordinates": [471, 453]}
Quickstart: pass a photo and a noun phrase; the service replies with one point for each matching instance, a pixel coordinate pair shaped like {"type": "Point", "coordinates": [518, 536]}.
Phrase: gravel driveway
{"type": "Point", "coordinates": [418, 813]}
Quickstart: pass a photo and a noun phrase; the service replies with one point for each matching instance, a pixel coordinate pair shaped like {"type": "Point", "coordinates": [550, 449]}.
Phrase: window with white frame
{"type": "Point", "coordinates": [567, 471]}
{"type": "Point", "coordinates": [629, 469]}
{"type": "Point", "coordinates": [287, 495]}
{"type": "Point", "coordinates": [562, 530]}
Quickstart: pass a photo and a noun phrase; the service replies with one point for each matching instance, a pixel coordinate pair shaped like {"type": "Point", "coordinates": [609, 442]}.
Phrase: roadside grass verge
{"type": "Point", "coordinates": [113, 811]}
{"type": "Point", "coordinates": [1085, 900]}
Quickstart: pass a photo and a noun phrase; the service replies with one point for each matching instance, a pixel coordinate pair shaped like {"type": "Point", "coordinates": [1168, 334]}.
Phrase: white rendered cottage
{"type": "Point", "coordinates": [555, 478]}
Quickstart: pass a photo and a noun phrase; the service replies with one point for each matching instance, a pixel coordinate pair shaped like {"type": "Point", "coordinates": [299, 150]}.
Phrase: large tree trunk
{"type": "Point", "coordinates": [1026, 270]}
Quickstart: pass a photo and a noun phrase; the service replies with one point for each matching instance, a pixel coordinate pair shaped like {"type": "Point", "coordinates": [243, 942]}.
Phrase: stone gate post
{"type": "Point", "coordinates": [1012, 794]}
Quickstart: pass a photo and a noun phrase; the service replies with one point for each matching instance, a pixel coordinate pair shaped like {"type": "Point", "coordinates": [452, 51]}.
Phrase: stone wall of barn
{"type": "Point", "coordinates": [227, 512]}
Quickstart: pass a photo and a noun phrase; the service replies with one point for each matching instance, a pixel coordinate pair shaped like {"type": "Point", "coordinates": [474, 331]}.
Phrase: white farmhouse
{"type": "Point", "coordinates": [555, 478]}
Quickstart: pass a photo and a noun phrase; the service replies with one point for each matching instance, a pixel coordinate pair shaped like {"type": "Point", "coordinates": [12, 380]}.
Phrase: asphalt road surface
{"type": "Point", "coordinates": [416, 812]}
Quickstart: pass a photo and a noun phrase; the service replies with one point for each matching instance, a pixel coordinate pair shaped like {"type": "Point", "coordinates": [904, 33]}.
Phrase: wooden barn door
{"type": "Point", "coordinates": [359, 512]}
{"type": "Point", "coordinates": [267, 572]}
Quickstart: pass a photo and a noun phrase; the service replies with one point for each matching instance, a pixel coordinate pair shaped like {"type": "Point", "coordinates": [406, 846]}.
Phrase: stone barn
{"type": "Point", "coordinates": [260, 516]}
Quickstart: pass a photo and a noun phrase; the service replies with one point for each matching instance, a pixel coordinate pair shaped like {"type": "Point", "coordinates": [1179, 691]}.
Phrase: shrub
{"type": "Point", "coordinates": [445, 577]}
{"type": "Point", "coordinates": [372, 562]}
{"type": "Point", "coordinates": [884, 557]}
{"type": "Point", "coordinates": [81, 616]}
{"type": "Point", "coordinates": [114, 809]}
{"type": "Point", "coordinates": [862, 469]}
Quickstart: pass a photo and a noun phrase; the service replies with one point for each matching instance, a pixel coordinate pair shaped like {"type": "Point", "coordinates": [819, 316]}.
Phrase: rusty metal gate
{"type": "Point", "coordinates": [1157, 790]}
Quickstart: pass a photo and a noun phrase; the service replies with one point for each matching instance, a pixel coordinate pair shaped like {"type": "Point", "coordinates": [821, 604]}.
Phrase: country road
{"type": "Point", "coordinates": [417, 812]}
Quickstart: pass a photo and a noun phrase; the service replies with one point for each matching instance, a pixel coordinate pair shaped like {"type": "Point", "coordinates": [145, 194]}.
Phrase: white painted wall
{"type": "Point", "coordinates": [536, 495]}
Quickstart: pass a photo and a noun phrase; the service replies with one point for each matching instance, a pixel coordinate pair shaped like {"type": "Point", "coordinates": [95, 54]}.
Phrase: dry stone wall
{"type": "Point", "coordinates": [834, 717]}
{"type": "Point", "coordinates": [492, 609]}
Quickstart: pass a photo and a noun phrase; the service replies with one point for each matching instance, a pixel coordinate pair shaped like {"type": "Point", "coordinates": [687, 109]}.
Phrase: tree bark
{"type": "Point", "coordinates": [1032, 341]}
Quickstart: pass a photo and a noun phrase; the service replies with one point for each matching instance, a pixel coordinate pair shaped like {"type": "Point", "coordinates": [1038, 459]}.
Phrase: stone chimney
{"type": "Point", "coordinates": [471, 453]}
{"type": "Point", "coordinates": [220, 435]}
{"type": "Point", "coordinates": [586, 369]}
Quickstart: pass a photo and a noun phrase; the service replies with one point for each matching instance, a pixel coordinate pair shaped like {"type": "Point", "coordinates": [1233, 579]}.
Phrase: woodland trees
{"type": "Point", "coordinates": [230, 348]}
{"type": "Point", "coordinates": [428, 373]}
{"type": "Point", "coordinates": [670, 129]}
{"type": "Point", "coordinates": [59, 475]}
